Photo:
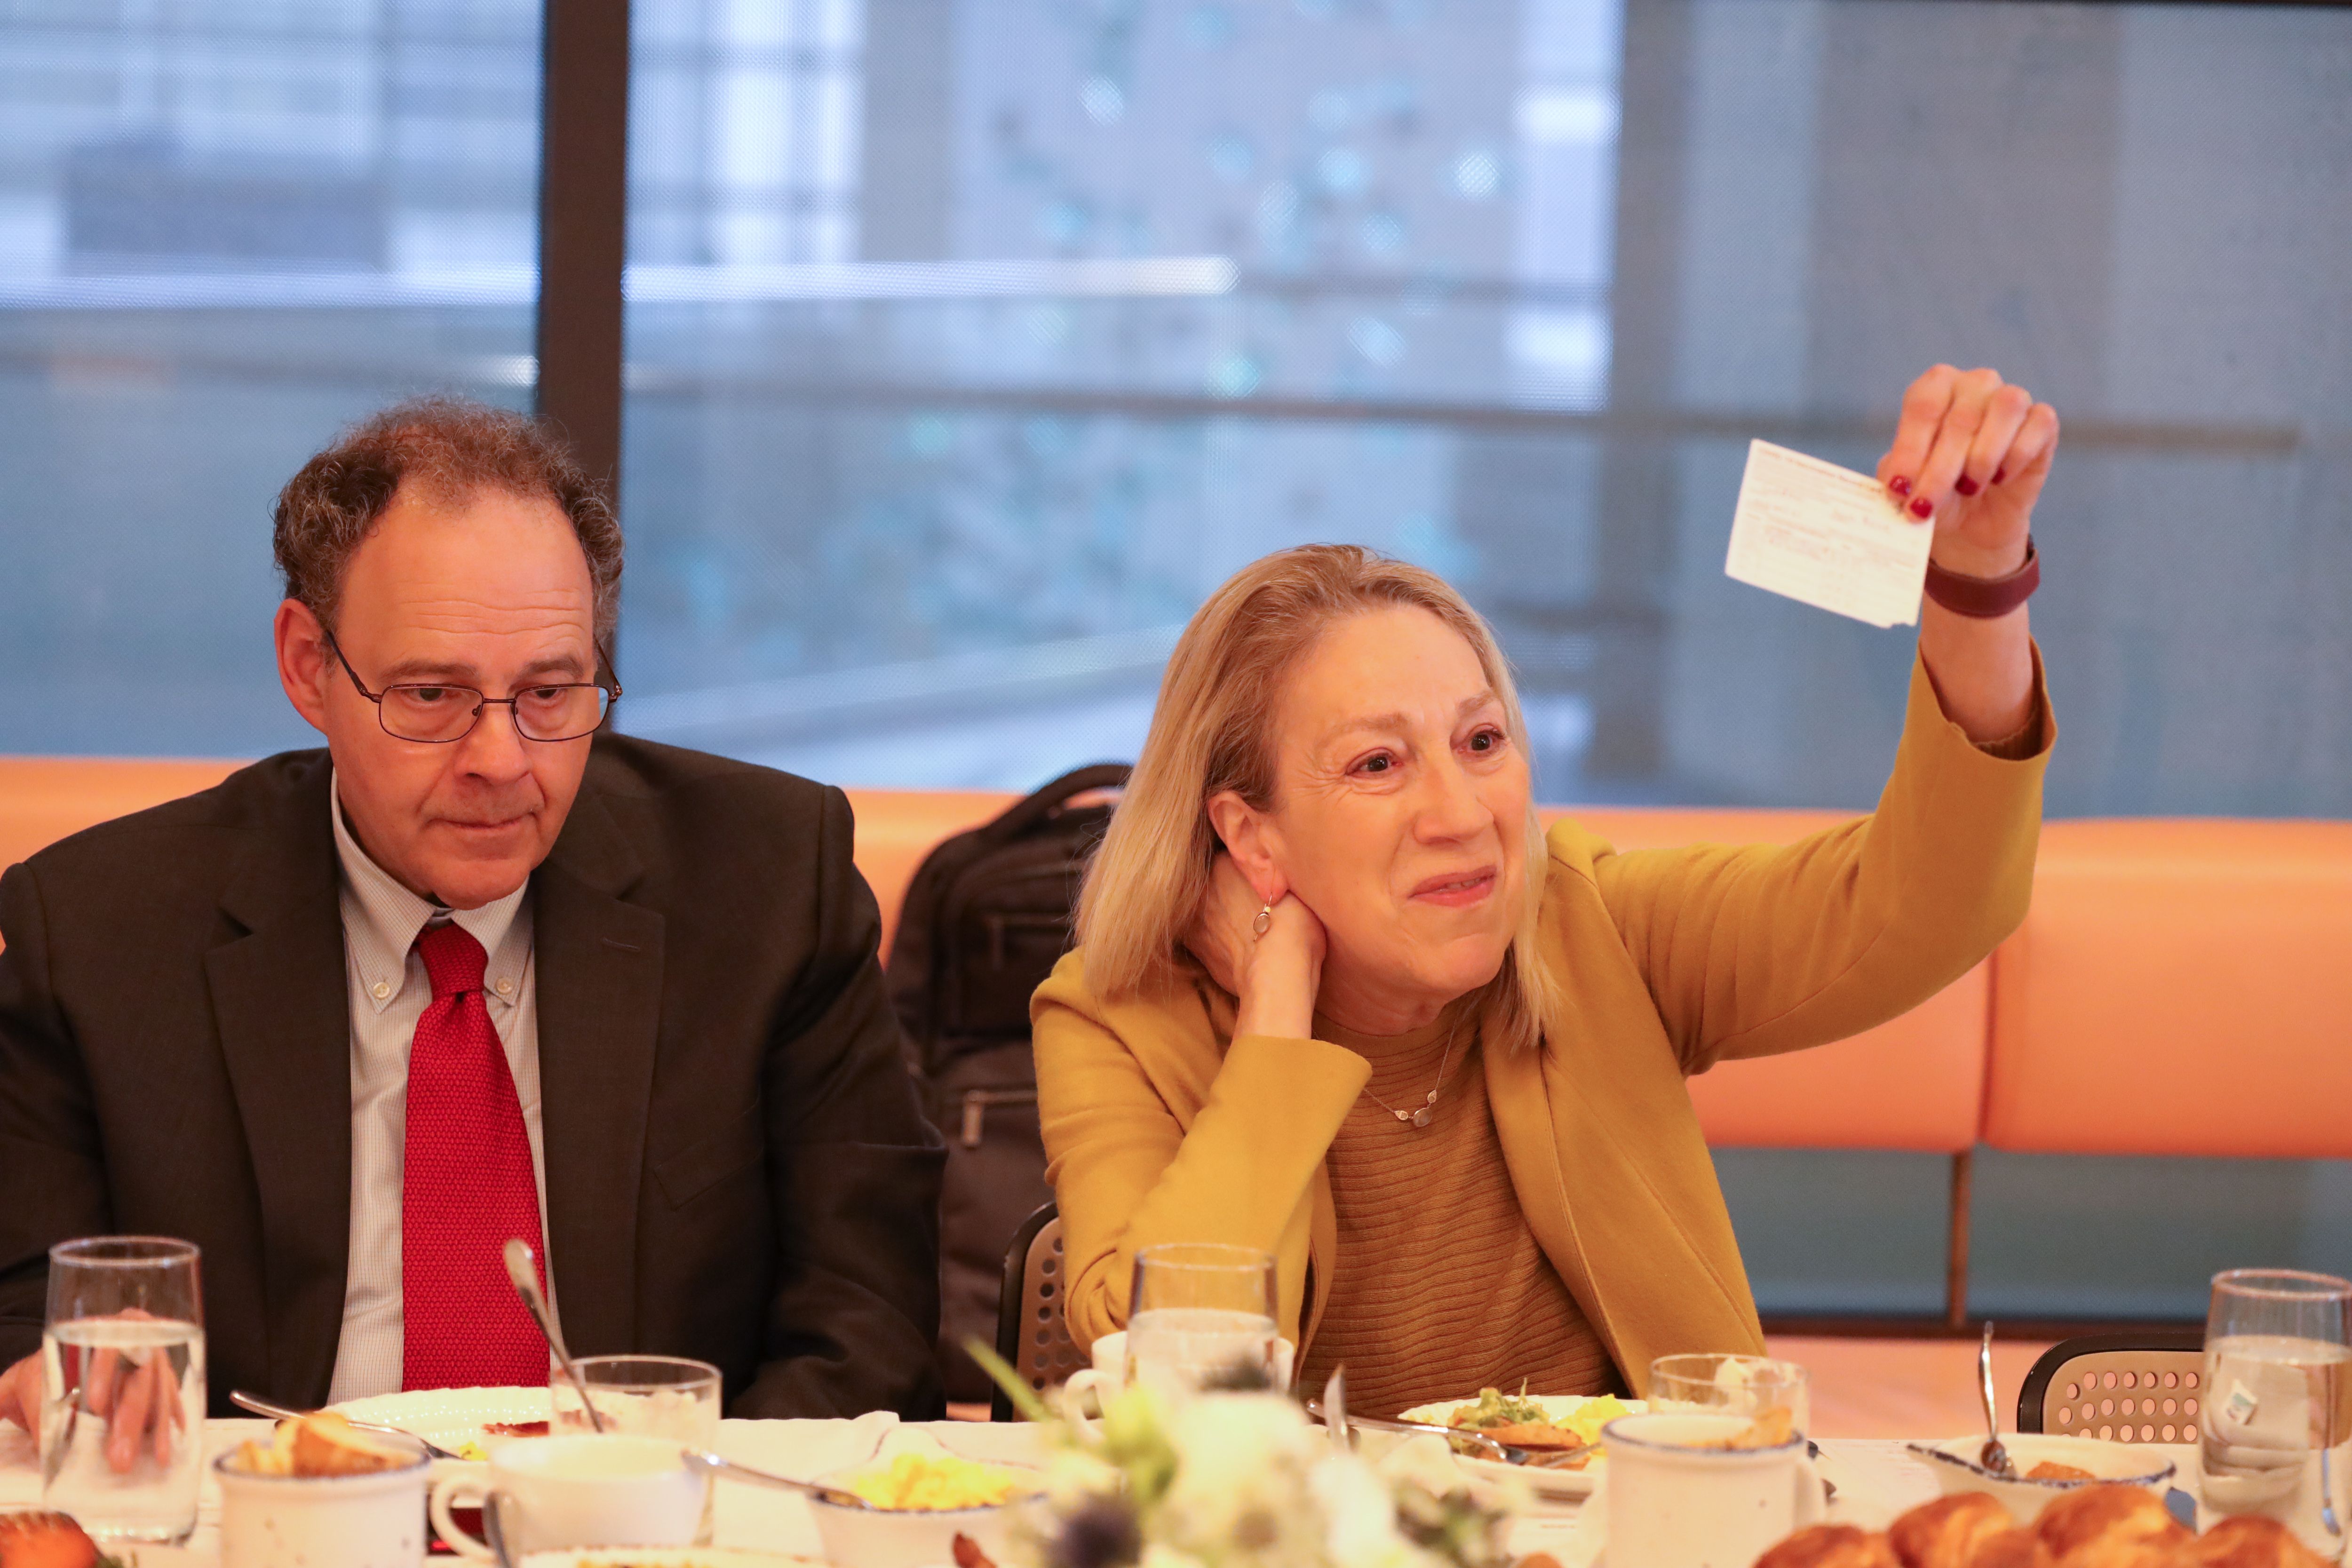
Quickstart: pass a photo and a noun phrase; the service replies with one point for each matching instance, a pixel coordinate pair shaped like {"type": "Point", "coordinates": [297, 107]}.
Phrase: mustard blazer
{"type": "Point", "coordinates": [1159, 1127]}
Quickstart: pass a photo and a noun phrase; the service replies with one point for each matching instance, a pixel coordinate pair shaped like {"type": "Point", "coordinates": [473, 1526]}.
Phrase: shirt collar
{"type": "Point", "coordinates": [382, 919]}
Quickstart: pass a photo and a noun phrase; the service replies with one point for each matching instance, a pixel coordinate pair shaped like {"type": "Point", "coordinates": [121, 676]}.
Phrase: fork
{"type": "Point", "coordinates": [260, 1406]}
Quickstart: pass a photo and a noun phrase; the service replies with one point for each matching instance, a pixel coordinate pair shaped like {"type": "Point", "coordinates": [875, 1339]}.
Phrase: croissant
{"type": "Point", "coordinates": [2248, 1541]}
{"type": "Point", "coordinates": [2114, 1527]}
{"type": "Point", "coordinates": [1945, 1533]}
{"type": "Point", "coordinates": [1831, 1546]}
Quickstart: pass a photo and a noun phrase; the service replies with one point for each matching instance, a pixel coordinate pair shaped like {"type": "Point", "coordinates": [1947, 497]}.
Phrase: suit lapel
{"type": "Point", "coordinates": [599, 962]}
{"type": "Point", "coordinates": [280, 1005]}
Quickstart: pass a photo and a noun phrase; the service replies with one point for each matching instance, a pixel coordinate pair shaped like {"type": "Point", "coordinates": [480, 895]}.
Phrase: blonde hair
{"type": "Point", "coordinates": [1211, 733]}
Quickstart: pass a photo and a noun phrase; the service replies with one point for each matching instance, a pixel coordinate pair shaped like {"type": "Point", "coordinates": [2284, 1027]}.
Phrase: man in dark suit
{"type": "Point", "coordinates": [479, 968]}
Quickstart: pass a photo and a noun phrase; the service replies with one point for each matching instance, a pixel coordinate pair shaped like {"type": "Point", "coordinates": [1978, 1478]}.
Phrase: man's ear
{"type": "Point", "coordinates": [305, 663]}
{"type": "Point", "coordinates": [1252, 841]}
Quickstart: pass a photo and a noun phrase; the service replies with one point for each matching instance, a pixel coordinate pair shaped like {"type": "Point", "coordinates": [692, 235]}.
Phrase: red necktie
{"type": "Point", "coordinates": [466, 1188]}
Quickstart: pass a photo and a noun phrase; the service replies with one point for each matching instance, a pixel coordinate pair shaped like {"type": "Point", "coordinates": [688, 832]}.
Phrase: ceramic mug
{"type": "Point", "coordinates": [374, 1520]}
{"type": "Point", "coordinates": [1671, 1500]}
{"type": "Point", "coordinates": [1103, 1380]}
{"type": "Point", "coordinates": [577, 1490]}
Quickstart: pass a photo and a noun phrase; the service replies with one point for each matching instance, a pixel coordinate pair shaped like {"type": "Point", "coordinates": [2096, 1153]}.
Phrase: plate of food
{"type": "Point", "coordinates": [1539, 1423]}
{"type": "Point", "coordinates": [466, 1421]}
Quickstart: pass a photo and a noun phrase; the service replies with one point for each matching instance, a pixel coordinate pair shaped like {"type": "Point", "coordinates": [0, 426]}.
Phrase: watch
{"type": "Point", "coordinates": [1986, 598]}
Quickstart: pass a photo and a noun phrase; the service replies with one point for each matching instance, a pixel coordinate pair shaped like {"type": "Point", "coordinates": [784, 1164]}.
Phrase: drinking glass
{"type": "Point", "coordinates": [1745, 1386]}
{"type": "Point", "coordinates": [641, 1396]}
{"type": "Point", "coordinates": [122, 1387]}
{"type": "Point", "coordinates": [2277, 1416]}
{"type": "Point", "coordinates": [1202, 1316]}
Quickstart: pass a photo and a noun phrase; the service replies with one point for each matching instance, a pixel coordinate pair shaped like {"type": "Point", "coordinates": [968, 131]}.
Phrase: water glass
{"type": "Point", "coordinates": [1200, 1315]}
{"type": "Point", "coordinates": [2277, 1418]}
{"type": "Point", "coordinates": [1745, 1385]}
{"type": "Point", "coordinates": [122, 1387]}
{"type": "Point", "coordinates": [641, 1396]}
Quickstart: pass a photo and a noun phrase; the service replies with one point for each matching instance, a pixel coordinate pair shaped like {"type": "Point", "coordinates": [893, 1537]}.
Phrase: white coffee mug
{"type": "Point", "coordinates": [1669, 1501]}
{"type": "Point", "coordinates": [1090, 1388]}
{"type": "Point", "coordinates": [374, 1520]}
{"type": "Point", "coordinates": [578, 1490]}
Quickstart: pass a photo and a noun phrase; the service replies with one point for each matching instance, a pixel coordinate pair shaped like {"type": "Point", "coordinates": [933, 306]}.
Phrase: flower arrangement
{"type": "Point", "coordinates": [1242, 1480]}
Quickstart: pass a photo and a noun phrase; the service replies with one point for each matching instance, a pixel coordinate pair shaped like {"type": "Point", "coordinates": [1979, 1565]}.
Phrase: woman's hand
{"type": "Point", "coordinates": [1972, 452]}
{"type": "Point", "coordinates": [1275, 977]}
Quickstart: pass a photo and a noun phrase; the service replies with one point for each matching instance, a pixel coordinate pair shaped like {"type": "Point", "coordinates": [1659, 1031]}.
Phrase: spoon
{"type": "Point", "coordinates": [711, 1464]}
{"type": "Point", "coordinates": [520, 1269]}
{"type": "Point", "coordinates": [1993, 1458]}
{"type": "Point", "coordinates": [259, 1406]}
{"type": "Point", "coordinates": [1537, 1458]}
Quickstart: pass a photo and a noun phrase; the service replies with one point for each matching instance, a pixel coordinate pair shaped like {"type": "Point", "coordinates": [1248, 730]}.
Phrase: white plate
{"type": "Point", "coordinates": [665, 1557]}
{"type": "Point", "coordinates": [1558, 1485]}
{"type": "Point", "coordinates": [450, 1416]}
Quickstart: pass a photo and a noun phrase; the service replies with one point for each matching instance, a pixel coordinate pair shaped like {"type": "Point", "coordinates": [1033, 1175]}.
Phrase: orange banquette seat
{"type": "Point", "coordinates": [2180, 987]}
{"type": "Point", "coordinates": [1915, 1083]}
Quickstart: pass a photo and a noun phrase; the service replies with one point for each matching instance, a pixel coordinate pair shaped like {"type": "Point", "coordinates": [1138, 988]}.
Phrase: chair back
{"type": "Point", "coordinates": [2140, 1387]}
{"type": "Point", "coordinates": [1032, 1334]}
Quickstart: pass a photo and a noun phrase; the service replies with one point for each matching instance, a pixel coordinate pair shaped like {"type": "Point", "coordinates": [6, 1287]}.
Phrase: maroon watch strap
{"type": "Point", "coordinates": [1986, 597]}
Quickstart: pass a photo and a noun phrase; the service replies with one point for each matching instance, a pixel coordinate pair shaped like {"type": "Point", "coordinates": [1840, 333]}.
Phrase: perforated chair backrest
{"type": "Point", "coordinates": [1032, 1334]}
{"type": "Point", "coordinates": [2125, 1388]}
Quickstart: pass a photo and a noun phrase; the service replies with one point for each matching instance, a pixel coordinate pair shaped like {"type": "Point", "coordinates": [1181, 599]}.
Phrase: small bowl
{"type": "Point", "coordinates": [1954, 1461]}
{"type": "Point", "coordinates": [913, 1538]}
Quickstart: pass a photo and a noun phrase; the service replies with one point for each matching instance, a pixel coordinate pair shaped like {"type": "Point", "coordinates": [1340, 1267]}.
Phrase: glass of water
{"type": "Point", "coordinates": [1202, 1316]}
{"type": "Point", "coordinates": [2277, 1419]}
{"type": "Point", "coordinates": [122, 1387]}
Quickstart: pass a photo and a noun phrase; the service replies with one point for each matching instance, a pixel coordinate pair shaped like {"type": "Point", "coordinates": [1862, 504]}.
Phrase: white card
{"type": "Point", "coordinates": [1827, 537]}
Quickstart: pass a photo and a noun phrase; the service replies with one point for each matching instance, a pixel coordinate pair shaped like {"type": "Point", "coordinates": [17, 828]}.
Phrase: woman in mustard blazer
{"type": "Point", "coordinates": [1335, 996]}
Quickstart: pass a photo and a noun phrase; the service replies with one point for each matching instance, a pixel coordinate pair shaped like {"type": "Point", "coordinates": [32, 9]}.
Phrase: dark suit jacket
{"type": "Point", "coordinates": [737, 1168]}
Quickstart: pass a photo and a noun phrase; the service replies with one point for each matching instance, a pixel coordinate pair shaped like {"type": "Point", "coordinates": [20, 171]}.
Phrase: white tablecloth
{"type": "Point", "coordinates": [1875, 1479]}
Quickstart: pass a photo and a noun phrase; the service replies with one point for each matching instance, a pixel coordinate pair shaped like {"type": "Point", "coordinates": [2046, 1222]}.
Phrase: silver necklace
{"type": "Point", "coordinates": [1418, 1117]}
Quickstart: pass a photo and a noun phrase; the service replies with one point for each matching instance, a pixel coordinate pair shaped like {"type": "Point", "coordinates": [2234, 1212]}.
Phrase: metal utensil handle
{"type": "Point", "coordinates": [704, 1459]}
{"type": "Point", "coordinates": [261, 1406]}
{"type": "Point", "coordinates": [522, 1272]}
{"type": "Point", "coordinates": [1373, 1423]}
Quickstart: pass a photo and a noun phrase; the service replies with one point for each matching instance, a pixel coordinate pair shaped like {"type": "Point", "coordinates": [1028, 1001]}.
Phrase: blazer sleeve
{"type": "Point", "coordinates": [1758, 949]}
{"type": "Point", "coordinates": [856, 1170]}
{"type": "Point", "coordinates": [1128, 1173]}
{"type": "Point", "coordinates": [51, 1165]}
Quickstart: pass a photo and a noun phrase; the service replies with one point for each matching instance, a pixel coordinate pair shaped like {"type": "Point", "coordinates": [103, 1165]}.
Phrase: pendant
{"type": "Point", "coordinates": [1421, 1117]}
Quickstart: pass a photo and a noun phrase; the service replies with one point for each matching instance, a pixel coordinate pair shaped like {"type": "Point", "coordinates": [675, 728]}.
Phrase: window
{"type": "Point", "coordinates": [226, 230]}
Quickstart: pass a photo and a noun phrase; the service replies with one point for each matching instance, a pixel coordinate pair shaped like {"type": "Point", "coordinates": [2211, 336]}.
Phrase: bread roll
{"type": "Point", "coordinates": [2114, 1527]}
{"type": "Point", "coordinates": [2012, 1548]}
{"type": "Point", "coordinates": [1831, 1546]}
{"type": "Point", "coordinates": [2250, 1542]}
{"type": "Point", "coordinates": [1945, 1533]}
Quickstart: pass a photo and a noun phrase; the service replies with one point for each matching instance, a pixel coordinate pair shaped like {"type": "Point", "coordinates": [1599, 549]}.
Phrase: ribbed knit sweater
{"type": "Point", "coordinates": [1441, 1290]}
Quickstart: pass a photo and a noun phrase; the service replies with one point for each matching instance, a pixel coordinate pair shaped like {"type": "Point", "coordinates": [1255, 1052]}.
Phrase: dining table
{"type": "Point", "coordinates": [1874, 1479]}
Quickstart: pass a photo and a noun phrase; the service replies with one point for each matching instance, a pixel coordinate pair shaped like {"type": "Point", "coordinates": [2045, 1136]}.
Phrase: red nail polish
{"type": "Point", "coordinates": [1899, 485]}
{"type": "Point", "coordinates": [1965, 485]}
{"type": "Point", "coordinates": [1999, 475]}
{"type": "Point", "coordinates": [1921, 509]}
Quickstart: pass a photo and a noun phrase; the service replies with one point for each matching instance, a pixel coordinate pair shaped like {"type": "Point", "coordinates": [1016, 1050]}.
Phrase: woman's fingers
{"type": "Point", "coordinates": [1925, 402]}
{"type": "Point", "coordinates": [1988, 457]}
{"type": "Point", "coordinates": [2035, 443]}
{"type": "Point", "coordinates": [1941, 476]}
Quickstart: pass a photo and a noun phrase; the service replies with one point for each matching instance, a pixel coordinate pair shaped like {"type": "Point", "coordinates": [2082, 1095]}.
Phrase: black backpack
{"type": "Point", "coordinates": [986, 918]}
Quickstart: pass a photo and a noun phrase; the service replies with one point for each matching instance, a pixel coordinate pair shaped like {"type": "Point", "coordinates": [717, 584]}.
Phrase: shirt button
{"type": "Point", "coordinates": [506, 986]}
{"type": "Point", "coordinates": [380, 991]}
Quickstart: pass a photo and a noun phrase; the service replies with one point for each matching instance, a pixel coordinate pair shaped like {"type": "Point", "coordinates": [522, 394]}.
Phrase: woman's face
{"type": "Point", "coordinates": [1399, 818]}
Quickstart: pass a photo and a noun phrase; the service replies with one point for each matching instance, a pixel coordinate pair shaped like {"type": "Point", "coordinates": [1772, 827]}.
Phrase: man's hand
{"type": "Point", "coordinates": [20, 1395]}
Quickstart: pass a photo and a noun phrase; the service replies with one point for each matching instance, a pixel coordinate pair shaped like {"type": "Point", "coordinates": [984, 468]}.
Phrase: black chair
{"type": "Point", "coordinates": [2140, 1387]}
{"type": "Point", "coordinates": [1032, 1334]}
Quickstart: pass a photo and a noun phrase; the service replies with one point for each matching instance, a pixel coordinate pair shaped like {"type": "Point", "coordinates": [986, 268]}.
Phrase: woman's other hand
{"type": "Point", "coordinates": [1972, 452]}
{"type": "Point", "coordinates": [1275, 977]}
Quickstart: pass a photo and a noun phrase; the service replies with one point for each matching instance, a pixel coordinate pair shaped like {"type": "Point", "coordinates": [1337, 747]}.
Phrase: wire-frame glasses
{"type": "Point", "coordinates": [437, 713]}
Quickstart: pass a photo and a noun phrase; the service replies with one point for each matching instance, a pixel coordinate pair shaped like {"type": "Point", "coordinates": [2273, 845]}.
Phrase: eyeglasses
{"type": "Point", "coordinates": [439, 714]}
